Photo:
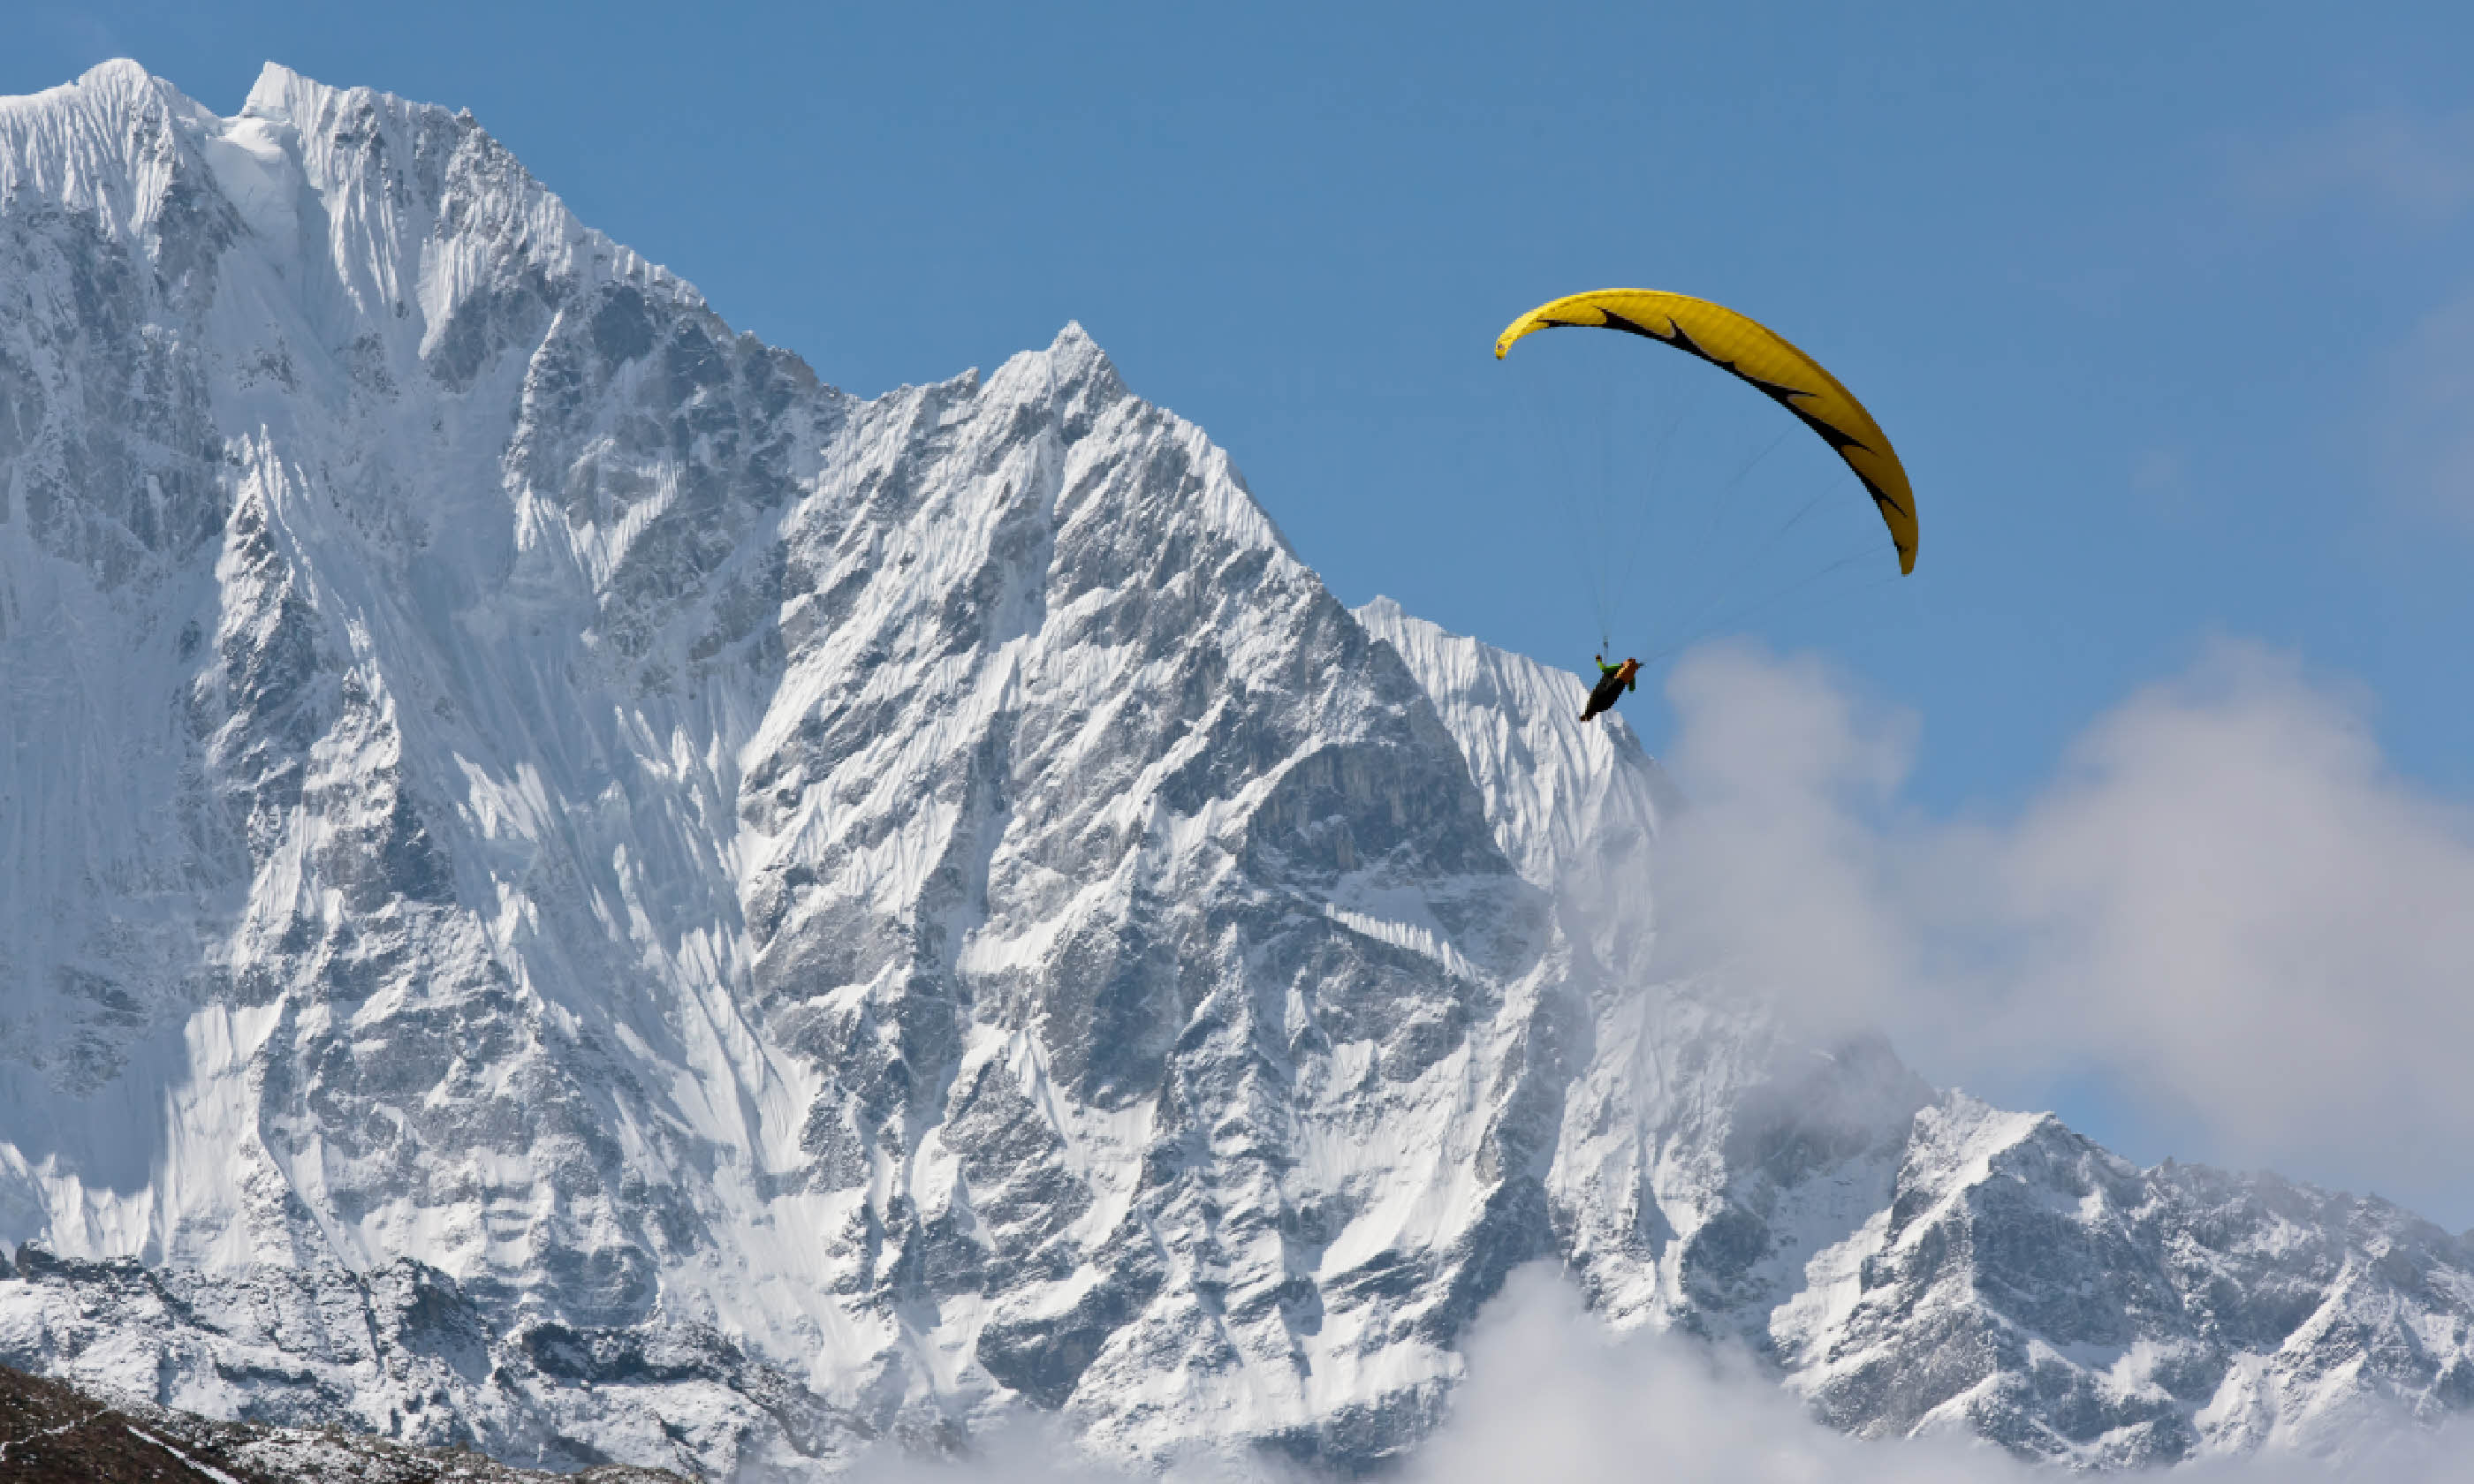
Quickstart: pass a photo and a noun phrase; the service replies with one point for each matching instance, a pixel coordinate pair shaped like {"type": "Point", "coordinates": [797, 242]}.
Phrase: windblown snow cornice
{"type": "Point", "coordinates": [568, 887]}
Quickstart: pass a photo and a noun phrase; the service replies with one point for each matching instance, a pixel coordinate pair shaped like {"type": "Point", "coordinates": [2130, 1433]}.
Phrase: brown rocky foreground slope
{"type": "Point", "coordinates": [51, 1433]}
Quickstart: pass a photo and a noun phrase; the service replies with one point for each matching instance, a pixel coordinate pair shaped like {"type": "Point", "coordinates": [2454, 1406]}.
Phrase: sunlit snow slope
{"type": "Point", "coordinates": [568, 888]}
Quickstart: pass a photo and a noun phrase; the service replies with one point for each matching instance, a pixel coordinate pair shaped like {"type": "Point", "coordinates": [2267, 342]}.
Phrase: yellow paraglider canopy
{"type": "Point", "coordinates": [1761, 356]}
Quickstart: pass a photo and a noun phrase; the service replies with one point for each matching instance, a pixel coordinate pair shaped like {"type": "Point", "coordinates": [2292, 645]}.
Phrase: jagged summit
{"type": "Point", "coordinates": [569, 887]}
{"type": "Point", "coordinates": [279, 93]}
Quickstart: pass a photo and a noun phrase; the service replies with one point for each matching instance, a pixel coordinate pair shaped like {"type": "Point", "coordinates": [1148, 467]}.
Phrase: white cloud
{"type": "Point", "coordinates": [2425, 424]}
{"type": "Point", "coordinates": [2396, 172]}
{"type": "Point", "coordinates": [1776, 867]}
{"type": "Point", "coordinates": [1552, 1396]}
{"type": "Point", "coordinates": [2418, 166]}
{"type": "Point", "coordinates": [2225, 901]}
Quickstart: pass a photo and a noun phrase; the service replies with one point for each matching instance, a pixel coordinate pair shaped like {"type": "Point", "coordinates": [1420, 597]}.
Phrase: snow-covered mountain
{"type": "Point", "coordinates": [567, 887]}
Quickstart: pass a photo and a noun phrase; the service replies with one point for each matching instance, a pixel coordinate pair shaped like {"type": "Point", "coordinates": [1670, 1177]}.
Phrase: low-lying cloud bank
{"type": "Point", "coordinates": [2225, 903]}
{"type": "Point", "coordinates": [1551, 1397]}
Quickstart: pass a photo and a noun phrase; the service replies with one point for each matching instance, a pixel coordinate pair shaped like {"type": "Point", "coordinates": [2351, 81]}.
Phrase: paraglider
{"type": "Point", "coordinates": [1756, 354]}
{"type": "Point", "coordinates": [1613, 679]}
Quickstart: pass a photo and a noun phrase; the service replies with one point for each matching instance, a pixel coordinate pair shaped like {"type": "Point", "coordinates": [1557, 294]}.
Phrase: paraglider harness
{"type": "Point", "coordinates": [1613, 679]}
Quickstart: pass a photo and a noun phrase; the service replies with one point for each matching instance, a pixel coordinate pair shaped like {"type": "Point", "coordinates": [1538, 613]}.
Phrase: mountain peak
{"type": "Point", "coordinates": [1383, 613]}
{"type": "Point", "coordinates": [120, 74]}
{"type": "Point", "coordinates": [271, 96]}
{"type": "Point", "coordinates": [112, 88]}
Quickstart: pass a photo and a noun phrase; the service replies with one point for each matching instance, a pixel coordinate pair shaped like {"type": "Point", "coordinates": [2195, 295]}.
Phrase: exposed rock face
{"type": "Point", "coordinates": [567, 888]}
{"type": "Point", "coordinates": [51, 1433]}
{"type": "Point", "coordinates": [2026, 1285]}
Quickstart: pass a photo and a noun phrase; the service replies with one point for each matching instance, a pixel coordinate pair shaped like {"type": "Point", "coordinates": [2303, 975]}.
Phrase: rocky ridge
{"type": "Point", "coordinates": [51, 1433]}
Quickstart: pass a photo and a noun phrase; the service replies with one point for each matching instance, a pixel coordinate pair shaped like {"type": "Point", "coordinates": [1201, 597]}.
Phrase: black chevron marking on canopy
{"type": "Point", "coordinates": [1616, 322]}
{"type": "Point", "coordinates": [1835, 437]}
{"type": "Point", "coordinates": [1838, 439]}
{"type": "Point", "coordinates": [1881, 497]}
{"type": "Point", "coordinates": [1682, 340]}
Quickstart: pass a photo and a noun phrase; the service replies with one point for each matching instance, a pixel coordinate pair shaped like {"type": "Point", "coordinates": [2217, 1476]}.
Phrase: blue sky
{"type": "Point", "coordinates": [2170, 309]}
